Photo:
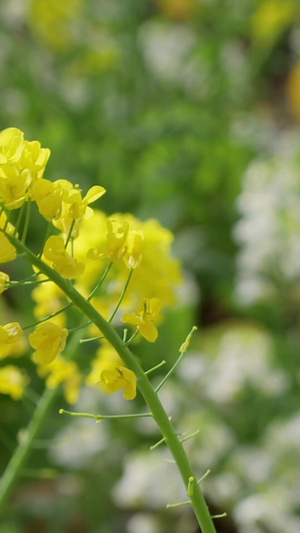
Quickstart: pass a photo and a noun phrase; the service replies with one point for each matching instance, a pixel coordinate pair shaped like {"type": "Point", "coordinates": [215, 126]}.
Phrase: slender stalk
{"type": "Point", "coordinates": [47, 234]}
{"type": "Point", "coordinates": [69, 234]}
{"type": "Point", "coordinates": [19, 458]}
{"type": "Point", "coordinates": [183, 349]}
{"type": "Point", "coordinates": [121, 297]}
{"type": "Point", "coordinates": [18, 221]}
{"type": "Point", "coordinates": [99, 283]}
{"type": "Point", "coordinates": [52, 316]}
{"type": "Point", "coordinates": [149, 394]}
{"type": "Point", "coordinates": [98, 418]}
{"type": "Point", "coordinates": [26, 222]}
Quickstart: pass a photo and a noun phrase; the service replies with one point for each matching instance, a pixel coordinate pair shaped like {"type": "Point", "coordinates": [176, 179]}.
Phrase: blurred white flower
{"type": "Point", "coordinates": [143, 522]}
{"type": "Point", "coordinates": [78, 443]}
{"type": "Point", "coordinates": [149, 481]}
{"type": "Point", "coordinates": [269, 229]}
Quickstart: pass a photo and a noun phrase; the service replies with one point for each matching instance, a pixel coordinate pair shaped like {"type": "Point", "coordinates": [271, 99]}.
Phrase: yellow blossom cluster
{"type": "Point", "coordinates": [144, 246]}
{"type": "Point", "coordinates": [140, 274]}
{"type": "Point", "coordinates": [21, 163]}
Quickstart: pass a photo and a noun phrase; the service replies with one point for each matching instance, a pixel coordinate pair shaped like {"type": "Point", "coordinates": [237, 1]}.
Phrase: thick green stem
{"type": "Point", "coordinates": [150, 396]}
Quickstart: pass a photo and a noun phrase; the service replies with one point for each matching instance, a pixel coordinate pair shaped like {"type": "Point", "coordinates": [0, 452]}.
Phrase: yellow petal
{"type": "Point", "coordinates": [149, 331]}
{"type": "Point", "coordinates": [93, 194]}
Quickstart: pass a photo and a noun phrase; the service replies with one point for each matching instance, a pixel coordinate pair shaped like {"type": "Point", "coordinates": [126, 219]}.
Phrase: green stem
{"type": "Point", "coordinates": [18, 460]}
{"type": "Point", "coordinates": [47, 234]}
{"type": "Point", "coordinates": [150, 396]}
{"type": "Point", "coordinates": [99, 283]}
{"type": "Point", "coordinates": [121, 297]}
{"type": "Point", "coordinates": [18, 221]}
{"type": "Point", "coordinates": [70, 234]}
{"type": "Point", "coordinates": [26, 222]}
{"type": "Point", "coordinates": [52, 316]}
{"type": "Point", "coordinates": [98, 418]}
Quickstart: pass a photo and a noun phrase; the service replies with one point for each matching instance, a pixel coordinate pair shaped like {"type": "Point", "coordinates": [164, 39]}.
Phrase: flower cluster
{"type": "Point", "coordinates": [21, 163]}
{"type": "Point", "coordinates": [95, 252]}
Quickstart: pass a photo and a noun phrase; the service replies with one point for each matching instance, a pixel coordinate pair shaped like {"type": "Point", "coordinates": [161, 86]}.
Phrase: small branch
{"type": "Point", "coordinates": [162, 363]}
{"type": "Point", "coordinates": [121, 297]}
{"type": "Point", "coordinates": [98, 418]}
{"type": "Point", "coordinates": [183, 349]}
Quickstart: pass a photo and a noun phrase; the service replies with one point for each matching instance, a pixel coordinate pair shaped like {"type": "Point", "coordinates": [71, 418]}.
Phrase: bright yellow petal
{"type": "Point", "coordinates": [149, 331]}
{"type": "Point", "coordinates": [93, 194]}
{"type": "Point", "coordinates": [129, 318]}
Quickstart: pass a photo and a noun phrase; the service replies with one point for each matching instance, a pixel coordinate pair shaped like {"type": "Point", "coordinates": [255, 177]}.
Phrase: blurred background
{"type": "Point", "coordinates": [187, 111]}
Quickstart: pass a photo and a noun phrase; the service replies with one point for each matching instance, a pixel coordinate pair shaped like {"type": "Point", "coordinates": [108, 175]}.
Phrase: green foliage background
{"type": "Point", "coordinates": [168, 104]}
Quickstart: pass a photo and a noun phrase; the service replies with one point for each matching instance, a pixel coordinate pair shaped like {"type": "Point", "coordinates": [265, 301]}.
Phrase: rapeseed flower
{"type": "Point", "coordinates": [11, 146]}
{"type": "Point", "coordinates": [133, 255]}
{"type": "Point", "coordinates": [62, 262]}
{"type": "Point", "coordinates": [107, 359]}
{"type": "Point", "coordinates": [74, 207]}
{"type": "Point", "coordinates": [9, 334]}
{"type": "Point", "coordinates": [7, 251]}
{"type": "Point", "coordinates": [34, 158]}
{"type": "Point", "coordinates": [119, 378]}
{"type": "Point", "coordinates": [14, 185]}
{"type": "Point", "coordinates": [48, 340]}
{"type": "Point", "coordinates": [115, 247]}
{"type": "Point", "coordinates": [48, 197]}
{"type": "Point", "coordinates": [144, 319]}
{"type": "Point", "coordinates": [12, 381]}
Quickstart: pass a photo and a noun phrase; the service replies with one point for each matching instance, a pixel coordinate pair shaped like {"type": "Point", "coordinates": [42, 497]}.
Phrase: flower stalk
{"type": "Point", "coordinates": [149, 394]}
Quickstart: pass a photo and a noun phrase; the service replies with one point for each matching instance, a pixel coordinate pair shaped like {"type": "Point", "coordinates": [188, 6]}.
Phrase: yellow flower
{"type": "Point", "coordinates": [115, 248]}
{"type": "Point", "coordinates": [63, 372]}
{"type": "Point", "coordinates": [119, 378]}
{"type": "Point", "coordinates": [12, 381]}
{"type": "Point", "coordinates": [11, 145]}
{"type": "Point", "coordinates": [62, 262]}
{"type": "Point", "coordinates": [107, 359]}
{"type": "Point", "coordinates": [21, 162]}
{"type": "Point", "coordinates": [113, 375]}
{"type": "Point", "coordinates": [14, 186]}
{"type": "Point", "coordinates": [74, 207]}
{"type": "Point", "coordinates": [144, 319]}
{"type": "Point", "coordinates": [48, 340]}
{"type": "Point", "coordinates": [7, 251]}
{"type": "Point", "coordinates": [9, 334]}
{"type": "Point", "coordinates": [48, 197]}
{"type": "Point", "coordinates": [4, 280]}
{"type": "Point", "coordinates": [34, 158]}
{"type": "Point", "coordinates": [133, 254]}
